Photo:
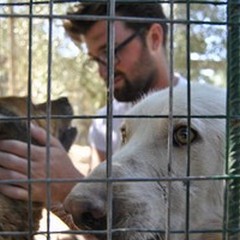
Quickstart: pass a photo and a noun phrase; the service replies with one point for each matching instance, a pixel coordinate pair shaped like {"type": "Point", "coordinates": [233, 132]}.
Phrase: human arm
{"type": "Point", "coordinates": [14, 165]}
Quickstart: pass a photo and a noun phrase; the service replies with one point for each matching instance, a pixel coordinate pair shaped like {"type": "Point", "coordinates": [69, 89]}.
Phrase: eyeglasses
{"type": "Point", "coordinates": [102, 58]}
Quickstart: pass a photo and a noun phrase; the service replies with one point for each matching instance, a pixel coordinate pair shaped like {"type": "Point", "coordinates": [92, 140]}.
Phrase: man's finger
{"type": "Point", "coordinates": [13, 163]}
{"type": "Point", "coordinates": [40, 135]}
{"type": "Point", "coordinates": [14, 192]}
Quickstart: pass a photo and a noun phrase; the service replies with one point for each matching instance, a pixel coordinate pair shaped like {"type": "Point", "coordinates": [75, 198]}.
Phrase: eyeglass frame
{"type": "Point", "coordinates": [102, 59]}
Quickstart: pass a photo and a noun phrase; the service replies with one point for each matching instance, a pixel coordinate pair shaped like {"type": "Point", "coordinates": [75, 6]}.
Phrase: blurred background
{"type": "Point", "coordinates": [39, 54]}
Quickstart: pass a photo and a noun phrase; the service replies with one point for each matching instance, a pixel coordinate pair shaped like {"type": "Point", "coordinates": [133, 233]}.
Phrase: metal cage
{"type": "Point", "coordinates": [27, 17]}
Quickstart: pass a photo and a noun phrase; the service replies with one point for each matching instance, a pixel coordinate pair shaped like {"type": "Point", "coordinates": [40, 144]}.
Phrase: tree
{"type": "Point", "coordinates": [201, 29]}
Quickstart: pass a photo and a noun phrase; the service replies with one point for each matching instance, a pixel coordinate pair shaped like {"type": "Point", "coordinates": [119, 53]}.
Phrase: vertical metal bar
{"type": "Point", "coordinates": [48, 116]}
{"type": "Point", "coordinates": [170, 126]}
{"type": "Point", "coordinates": [226, 192]}
{"type": "Point", "coordinates": [110, 87]}
{"type": "Point", "coordinates": [188, 160]}
{"type": "Point", "coordinates": [12, 58]}
{"type": "Point", "coordinates": [29, 113]}
{"type": "Point", "coordinates": [233, 120]}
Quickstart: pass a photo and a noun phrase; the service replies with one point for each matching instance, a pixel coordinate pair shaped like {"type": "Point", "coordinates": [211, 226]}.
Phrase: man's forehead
{"type": "Point", "coordinates": [96, 37]}
{"type": "Point", "coordinates": [96, 31]}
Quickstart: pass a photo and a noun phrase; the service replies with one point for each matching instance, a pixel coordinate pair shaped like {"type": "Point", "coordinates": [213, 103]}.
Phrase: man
{"type": "Point", "coordinates": [140, 66]}
{"type": "Point", "coordinates": [140, 60]}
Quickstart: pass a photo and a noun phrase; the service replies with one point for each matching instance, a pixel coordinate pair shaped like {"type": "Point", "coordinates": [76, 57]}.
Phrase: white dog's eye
{"type": "Point", "coordinates": [180, 136]}
{"type": "Point", "coordinates": [123, 134]}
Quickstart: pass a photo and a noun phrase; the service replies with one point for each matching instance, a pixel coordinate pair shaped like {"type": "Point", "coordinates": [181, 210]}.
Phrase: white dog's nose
{"type": "Point", "coordinates": [87, 213]}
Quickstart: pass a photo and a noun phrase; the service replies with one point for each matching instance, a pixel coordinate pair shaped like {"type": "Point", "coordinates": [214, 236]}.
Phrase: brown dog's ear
{"type": "Point", "coordinates": [60, 106]}
{"type": "Point", "coordinates": [61, 111]}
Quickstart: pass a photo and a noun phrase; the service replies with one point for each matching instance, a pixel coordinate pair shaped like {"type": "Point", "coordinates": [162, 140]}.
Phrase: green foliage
{"type": "Point", "coordinates": [63, 71]}
{"type": "Point", "coordinates": [200, 41]}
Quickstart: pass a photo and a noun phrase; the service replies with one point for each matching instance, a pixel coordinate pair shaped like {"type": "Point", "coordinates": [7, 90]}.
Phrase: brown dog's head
{"type": "Point", "coordinates": [16, 111]}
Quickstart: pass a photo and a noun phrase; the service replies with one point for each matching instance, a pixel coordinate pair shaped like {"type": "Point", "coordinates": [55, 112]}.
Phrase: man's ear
{"type": "Point", "coordinates": [155, 37]}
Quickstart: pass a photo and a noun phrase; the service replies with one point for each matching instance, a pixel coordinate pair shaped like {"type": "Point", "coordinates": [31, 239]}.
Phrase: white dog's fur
{"type": "Point", "coordinates": [145, 154]}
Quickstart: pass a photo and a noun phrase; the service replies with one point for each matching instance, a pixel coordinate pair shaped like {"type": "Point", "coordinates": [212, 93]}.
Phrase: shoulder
{"type": "Point", "coordinates": [180, 79]}
{"type": "Point", "coordinates": [118, 108]}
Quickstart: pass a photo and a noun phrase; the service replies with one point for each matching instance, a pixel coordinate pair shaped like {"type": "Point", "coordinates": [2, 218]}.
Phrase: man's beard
{"type": "Point", "coordinates": [133, 91]}
{"type": "Point", "coordinates": [143, 77]}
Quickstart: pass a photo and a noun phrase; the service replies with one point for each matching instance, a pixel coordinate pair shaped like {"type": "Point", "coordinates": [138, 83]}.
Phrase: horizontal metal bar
{"type": "Point", "coordinates": [115, 18]}
{"type": "Point", "coordinates": [112, 179]}
{"type": "Point", "coordinates": [24, 3]}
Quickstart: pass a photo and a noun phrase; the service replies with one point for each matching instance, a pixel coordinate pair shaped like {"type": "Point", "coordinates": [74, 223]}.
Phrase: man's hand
{"type": "Point", "coordinates": [14, 166]}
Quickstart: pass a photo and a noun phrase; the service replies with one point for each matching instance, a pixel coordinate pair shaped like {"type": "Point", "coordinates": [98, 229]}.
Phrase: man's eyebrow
{"type": "Point", "coordinates": [100, 49]}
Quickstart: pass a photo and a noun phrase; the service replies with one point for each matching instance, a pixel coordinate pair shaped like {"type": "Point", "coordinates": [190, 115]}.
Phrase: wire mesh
{"type": "Point", "coordinates": [232, 195]}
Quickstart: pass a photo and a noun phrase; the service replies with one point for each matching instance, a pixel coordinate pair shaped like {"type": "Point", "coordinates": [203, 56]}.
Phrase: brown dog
{"type": "Point", "coordinates": [14, 214]}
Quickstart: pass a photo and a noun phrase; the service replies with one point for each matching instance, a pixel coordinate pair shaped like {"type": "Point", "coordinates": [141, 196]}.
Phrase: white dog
{"type": "Point", "coordinates": [161, 166]}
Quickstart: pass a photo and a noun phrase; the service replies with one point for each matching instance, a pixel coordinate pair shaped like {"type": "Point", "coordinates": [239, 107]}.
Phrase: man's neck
{"type": "Point", "coordinates": [167, 82]}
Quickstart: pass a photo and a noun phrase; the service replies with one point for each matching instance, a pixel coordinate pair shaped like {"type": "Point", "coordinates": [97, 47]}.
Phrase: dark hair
{"type": "Point", "coordinates": [76, 27]}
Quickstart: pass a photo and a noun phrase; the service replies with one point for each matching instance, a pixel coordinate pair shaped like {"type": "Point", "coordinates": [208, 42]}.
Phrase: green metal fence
{"type": "Point", "coordinates": [233, 123]}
